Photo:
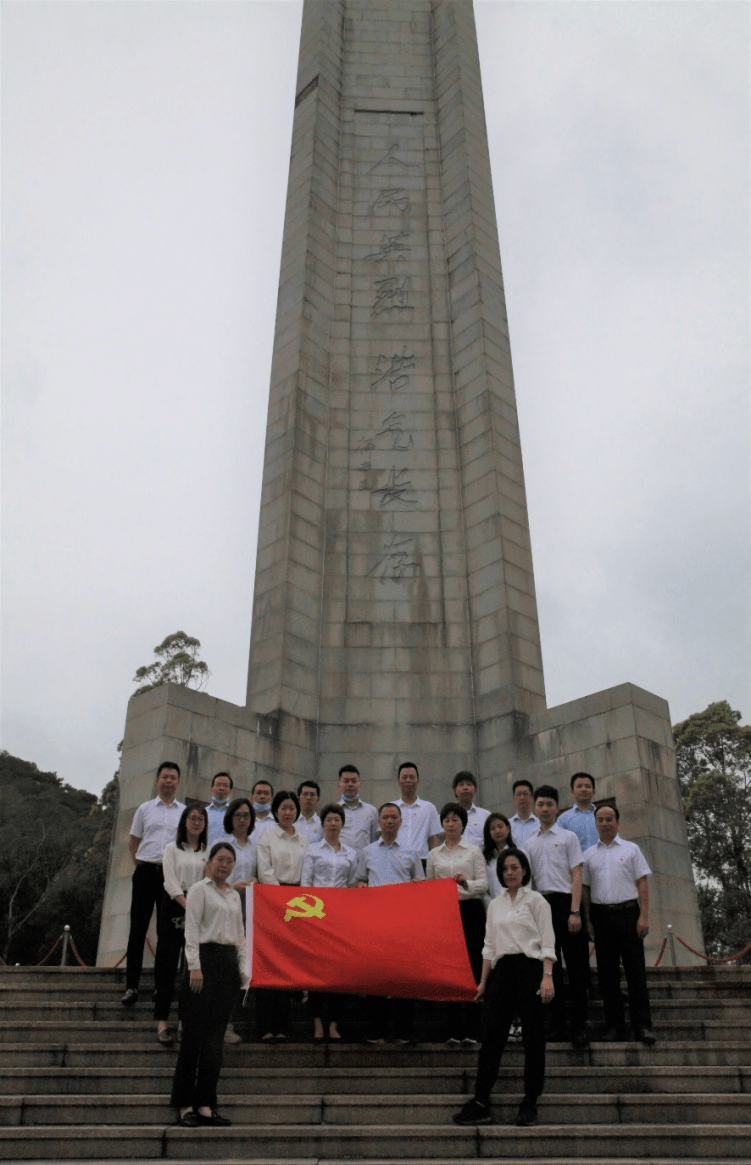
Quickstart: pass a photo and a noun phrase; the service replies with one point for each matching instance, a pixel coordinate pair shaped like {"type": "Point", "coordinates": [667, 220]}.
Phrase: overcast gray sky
{"type": "Point", "coordinates": [145, 155]}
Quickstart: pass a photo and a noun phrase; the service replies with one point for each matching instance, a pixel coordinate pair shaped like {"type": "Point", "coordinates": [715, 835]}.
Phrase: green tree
{"type": "Point", "coordinates": [713, 753]}
{"type": "Point", "coordinates": [176, 662]}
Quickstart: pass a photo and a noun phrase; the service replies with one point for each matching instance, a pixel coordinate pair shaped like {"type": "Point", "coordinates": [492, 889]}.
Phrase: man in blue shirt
{"type": "Point", "coordinates": [221, 787]}
{"type": "Point", "coordinates": [385, 863]}
{"type": "Point", "coordinates": [580, 819]}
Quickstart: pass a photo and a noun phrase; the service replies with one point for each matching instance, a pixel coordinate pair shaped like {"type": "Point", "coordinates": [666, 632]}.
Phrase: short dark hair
{"type": "Point", "coordinates": [523, 862]}
{"type": "Point", "coordinates": [388, 805]}
{"type": "Point", "coordinates": [576, 777]}
{"type": "Point", "coordinates": [308, 785]}
{"type": "Point", "coordinates": [407, 764]}
{"type": "Point", "coordinates": [349, 769]}
{"type": "Point", "coordinates": [262, 781]}
{"type": "Point", "coordinates": [608, 805]}
{"type": "Point", "coordinates": [221, 845]}
{"type": "Point", "coordinates": [464, 776]}
{"type": "Point", "coordinates": [232, 810]}
{"type": "Point", "coordinates": [458, 811]}
{"type": "Point", "coordinates": [169, 764]}
{"type": "Point", "coordinates": [282, 796]}
{"type": "Point", "coordinates": [546, 791]}
{"type": "Point", "coordinates": [522, 781]}
{"type": "Point", "coordinates": [488, 845]}
{"type": "Point", "coordinates": [181, 837]}
{"type": "Point", "coordinates": [229, 778]}
{"type": "Point", "coordinates": [332, 808]}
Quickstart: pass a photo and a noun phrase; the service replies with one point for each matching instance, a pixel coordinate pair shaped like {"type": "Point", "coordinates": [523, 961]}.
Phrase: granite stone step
{"type": "Point", "coordinates": [699, 1053]}
{"type": "Point", "coordinates": [73, 1009]}
{"type": "Point", "coordinates": [372, 1109]}
{"type": "Point", "coordinates": [674, 1143]}
{"type": "Point", "coordinates": [157, 1079]}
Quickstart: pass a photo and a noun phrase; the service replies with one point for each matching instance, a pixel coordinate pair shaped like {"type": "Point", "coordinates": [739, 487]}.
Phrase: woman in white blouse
{"type": "Point", "coordinates": [280, 856]}
{"type": "Point", "coordinates": [464, 863]}
{"type": "Point", "coordinates": [215, 957]}
{"type": "Point", "coordinates": [517, 979]}
{"type": "Point", "coordinates": [328, 863]}
{"type": "Point", "coordinates": [183, 864]}
{"type": "Point", "coordinates": [239, 821]}
{"type": "Point", "coordinates": [496, 839]}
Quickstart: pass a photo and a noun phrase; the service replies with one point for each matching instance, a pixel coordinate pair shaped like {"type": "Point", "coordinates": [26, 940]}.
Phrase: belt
{"type": "Point", "coordinates": [141, 862]}
{"type": "Point", "coordinates": [614, 907]}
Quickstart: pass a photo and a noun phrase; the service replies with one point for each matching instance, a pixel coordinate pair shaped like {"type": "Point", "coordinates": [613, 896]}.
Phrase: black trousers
{"type": "Point", "coordinates": [401, 1012]}
{"type": "Point", "coordinates": [326, 1006]}
{"type": "Point", "coordinates": [171, 930]}
{"type": "Point", "coordinates": [463, 1019]}
{"type": "Point", "coordinates": [616, 941]}
{"type": "Point", "coordinates": [512, 989]}
{"type": "Point", "coordinates": [272, 1011]}
{"type": "Point", "coordinates": [147, 891]}
{"type": "Point", "coordinates": [205, 1016]}
{"type": "Point", "coordinates": [575, 950]}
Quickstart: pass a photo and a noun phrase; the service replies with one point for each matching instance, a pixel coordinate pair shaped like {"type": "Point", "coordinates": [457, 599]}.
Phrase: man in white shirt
{"type": "Point", "coordinates": [309, 823]}
{"type": "Point", "coordinates": [154, 827]}
{"type": "Point", "coordinates": [580, 818]}
{"type": "Point", "coordinates": [221, 787]}
{"type": "Point", "coordinates": [465, 791]}
{"type": "Point", "coordinates": [523, 823]}
{"type": "Point", "coordinates": [261, 796]}
{"type": "Point", "coordinates": [556, 860]}
{"type": "Point", "coordinates": [616, 897]}
{"type": "Point", "coordinates": [362, 819]}
{"type": "Point", "coordinates": [421, 826]}
{"type": "Point", "coordinates": [387, 862]}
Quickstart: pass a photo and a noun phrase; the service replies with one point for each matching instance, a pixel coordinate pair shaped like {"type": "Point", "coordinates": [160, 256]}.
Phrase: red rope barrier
{"type": "Point", "coordinates": [662, 951]}
{"type": "Point", "coordinates": [710, 958]}
{"type": "Point", "coordinates": [76, 955]}
{"type": "Point", "coordinates": [151, 949]}
{"type": "Point", "coordinates": [50, 952]}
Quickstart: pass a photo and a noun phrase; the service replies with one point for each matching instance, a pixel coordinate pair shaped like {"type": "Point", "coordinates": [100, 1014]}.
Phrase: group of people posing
{"type": "Point", "coordinates": [193, 864]}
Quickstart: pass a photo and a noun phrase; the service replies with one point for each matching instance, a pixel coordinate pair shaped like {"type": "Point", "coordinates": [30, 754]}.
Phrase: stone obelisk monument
{"type": "Point", "coordinates": [394, 612]}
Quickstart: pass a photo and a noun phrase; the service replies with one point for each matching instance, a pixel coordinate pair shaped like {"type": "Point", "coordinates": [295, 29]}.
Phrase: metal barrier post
{"type": "Point", "coordinates": [671, 941]}
{"type": "Point", "coordinates": [66, 940]}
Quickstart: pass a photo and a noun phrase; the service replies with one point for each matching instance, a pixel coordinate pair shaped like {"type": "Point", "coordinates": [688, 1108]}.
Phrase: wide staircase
{"type": "Point", "coordinates": [82, 1079]}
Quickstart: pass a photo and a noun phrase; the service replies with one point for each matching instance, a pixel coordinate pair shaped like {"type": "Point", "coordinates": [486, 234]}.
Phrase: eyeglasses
{"type": "Point", "coordinates": [241, 816]}
{"type": "Point", "coordinates": [195, 820]}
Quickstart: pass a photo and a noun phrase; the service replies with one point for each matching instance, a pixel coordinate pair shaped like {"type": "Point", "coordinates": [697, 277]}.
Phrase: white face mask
{"type": "Point", "coordinates": [261, 808]}
{"type": "Point", "coordinates": [350, 798]}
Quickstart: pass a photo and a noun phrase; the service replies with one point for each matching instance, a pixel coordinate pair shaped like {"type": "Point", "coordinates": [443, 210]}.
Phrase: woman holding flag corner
{"type": "Point", "coordinates": [517, 979]}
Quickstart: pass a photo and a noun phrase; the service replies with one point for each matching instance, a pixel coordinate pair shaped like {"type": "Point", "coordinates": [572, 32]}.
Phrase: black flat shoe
{"type": "Point", "coordinates": [165, 1038]}
{"type": "Point", "coordinates": [190, 1120]}
{"type": "Point", "coordinates": [215, 1121]}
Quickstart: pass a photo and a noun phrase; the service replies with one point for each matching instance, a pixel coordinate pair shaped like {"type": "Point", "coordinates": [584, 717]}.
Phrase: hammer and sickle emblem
{"type": "Point", "coordinates": [306, 906]}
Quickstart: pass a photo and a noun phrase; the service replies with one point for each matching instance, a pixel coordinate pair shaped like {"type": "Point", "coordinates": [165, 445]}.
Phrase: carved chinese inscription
{"type": "Point", "coordinates": [396, 491]}
{"type": "Point", "coordinates": [398, 562]}
{"type": "Point", "coordinates": [395, 371]}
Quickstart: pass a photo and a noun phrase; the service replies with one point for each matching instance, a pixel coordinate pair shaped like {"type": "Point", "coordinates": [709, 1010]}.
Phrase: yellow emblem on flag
{"type": "Point", "coordinates": [306, 906]}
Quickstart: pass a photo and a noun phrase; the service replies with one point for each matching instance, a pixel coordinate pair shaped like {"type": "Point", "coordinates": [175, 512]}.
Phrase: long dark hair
{"type": "Point", "coordinates": [181, 837]}
{"type": "Point", "coordinates": [489, 851]}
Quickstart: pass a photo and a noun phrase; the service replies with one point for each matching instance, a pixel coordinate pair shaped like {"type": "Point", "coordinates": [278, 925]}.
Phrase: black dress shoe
{"type": "Point", "coordinates": [527, 1114]}
{"type": "Point", "coordinates": [215, 1121]}
{"type": "Point", "coordinates": [645, 1036]}
{"type": "Point", "coordinates": [612, 1035]}
{"type": "Point", "coordinates": [188, 1121]}
{"type": "Point", "coordinates": [165, 1038]}
{"type": "Point", "coordinates": [580, 1040]}
{"type": "Point", "coordinates": [130, 997]}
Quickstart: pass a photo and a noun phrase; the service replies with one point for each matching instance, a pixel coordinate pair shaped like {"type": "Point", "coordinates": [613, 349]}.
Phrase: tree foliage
{"type": "Point", "coordinates": [176, 662]}
{"type": "Point", "coordinates": [54, 849]}
{"type": "Point", "coordinates": [713, 753]}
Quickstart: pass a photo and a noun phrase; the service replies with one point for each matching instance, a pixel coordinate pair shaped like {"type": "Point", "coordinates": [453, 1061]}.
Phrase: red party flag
{"type": "Point", "coordinates": [404, 940]}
